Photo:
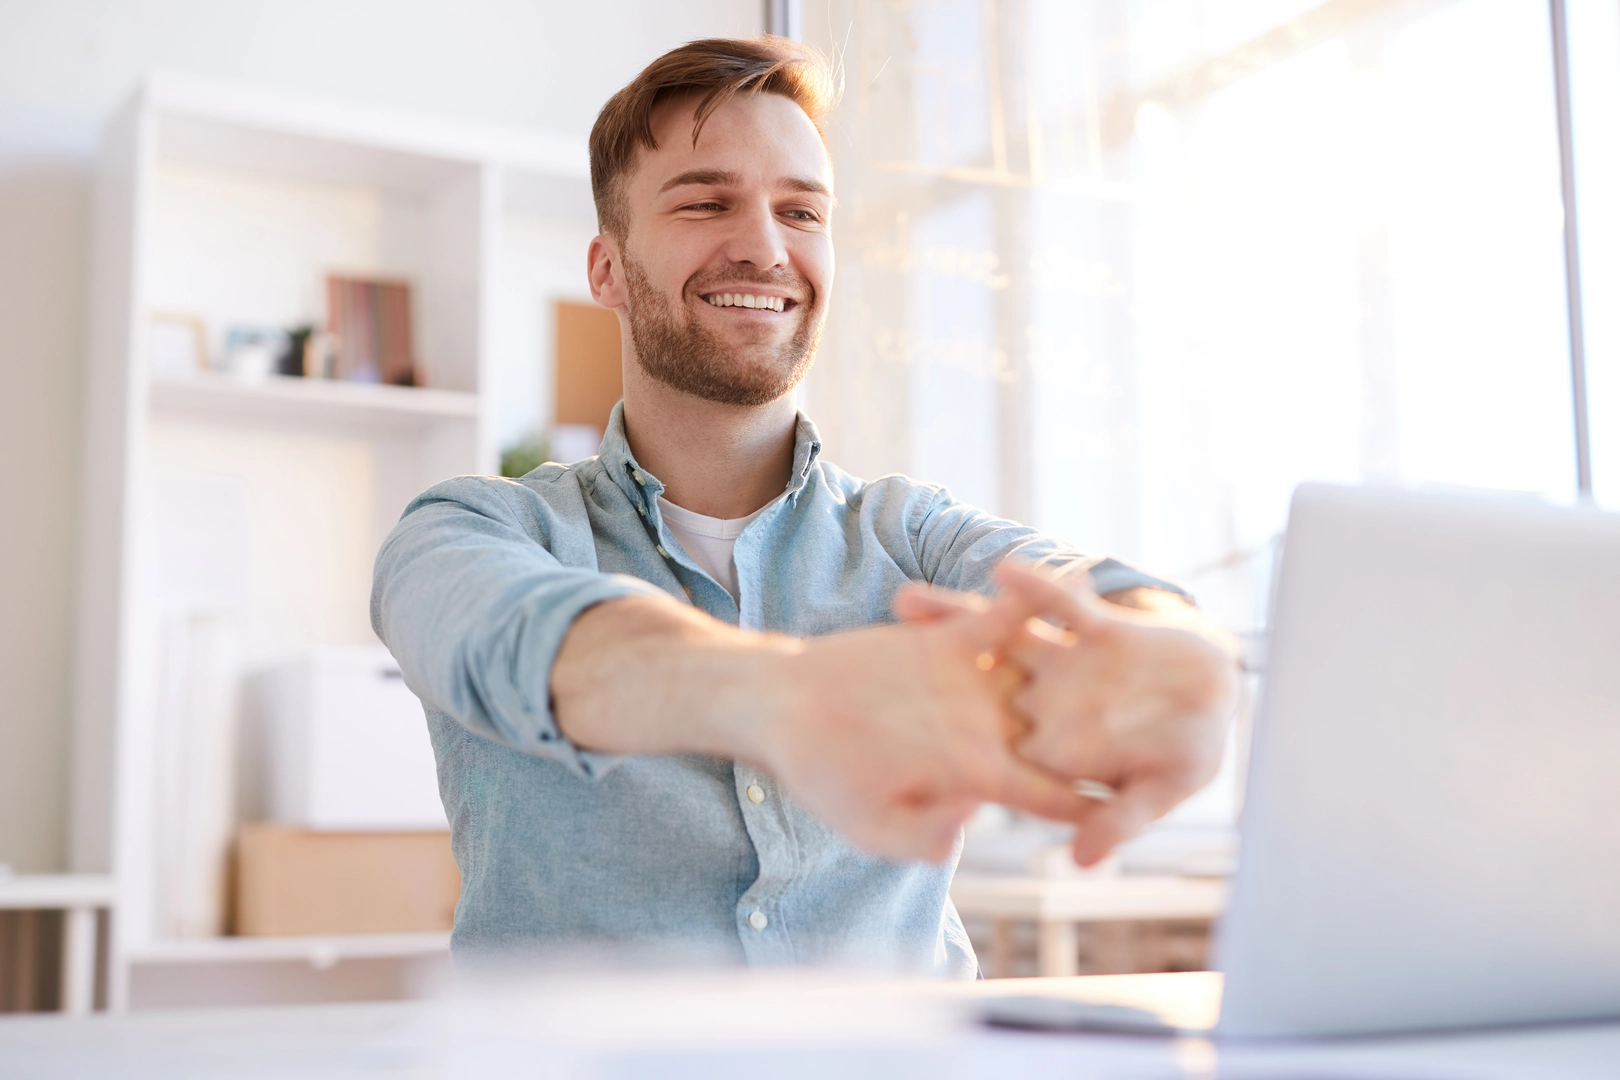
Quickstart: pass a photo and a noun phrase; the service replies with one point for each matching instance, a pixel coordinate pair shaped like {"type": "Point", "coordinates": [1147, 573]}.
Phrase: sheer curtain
{"type": "Point", "coordinates": [1130, 271]}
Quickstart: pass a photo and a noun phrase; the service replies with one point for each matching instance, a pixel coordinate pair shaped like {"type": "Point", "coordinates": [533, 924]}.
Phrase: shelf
{"type": "Point", "coordinates": [360, 408]}
{"type": "Point", "coordinates": [53, 891]}
{"type": "Point", "coordinates": [320, 951]}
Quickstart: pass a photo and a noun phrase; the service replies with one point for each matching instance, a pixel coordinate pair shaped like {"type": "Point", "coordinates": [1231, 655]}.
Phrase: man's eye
{"type": "Point", "coordinates": [705, 206]}
{"type": "Point", "coordinates": [803, 215]}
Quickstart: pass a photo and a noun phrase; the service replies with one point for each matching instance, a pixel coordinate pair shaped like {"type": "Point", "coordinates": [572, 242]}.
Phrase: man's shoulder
{"type": "Point", "coordinates": [551, 491]}
{"type": "Point", "coordinates": [885, 489]}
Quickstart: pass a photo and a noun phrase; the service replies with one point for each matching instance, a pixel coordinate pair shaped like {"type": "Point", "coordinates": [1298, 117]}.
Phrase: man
{"type": "Point", "coordinates": [663, 686]}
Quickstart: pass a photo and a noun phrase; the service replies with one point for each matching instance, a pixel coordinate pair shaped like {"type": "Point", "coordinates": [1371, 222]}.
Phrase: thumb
{"type": "Point", "coordinates": [1110, 824]}
{"type": "Point", "coordinates": [1035, 791]}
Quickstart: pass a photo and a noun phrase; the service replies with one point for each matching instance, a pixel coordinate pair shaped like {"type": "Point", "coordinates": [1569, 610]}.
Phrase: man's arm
{"type": "Point", "coordinates": [959, 547]}
{"type": "Point", "coordinates": [892, 735]}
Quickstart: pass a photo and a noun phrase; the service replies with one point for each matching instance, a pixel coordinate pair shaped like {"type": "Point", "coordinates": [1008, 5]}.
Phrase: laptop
{"type": "Point", "coordinates": [1431, 834]}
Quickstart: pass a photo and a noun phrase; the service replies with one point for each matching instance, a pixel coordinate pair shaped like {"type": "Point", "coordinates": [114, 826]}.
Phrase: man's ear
{"type": "Point", "coordinates": [605, 271]}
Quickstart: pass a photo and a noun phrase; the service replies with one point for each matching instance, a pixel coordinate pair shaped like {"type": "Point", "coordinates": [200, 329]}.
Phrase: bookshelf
{"type": "Point", "coordinates": [317, 404]}
{"type": "Point", "coordinates": [235, 519]}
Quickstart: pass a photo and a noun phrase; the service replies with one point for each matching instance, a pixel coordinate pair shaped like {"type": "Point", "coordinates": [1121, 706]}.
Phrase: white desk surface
{"type": "Point", "coordinates": [780, 1027]}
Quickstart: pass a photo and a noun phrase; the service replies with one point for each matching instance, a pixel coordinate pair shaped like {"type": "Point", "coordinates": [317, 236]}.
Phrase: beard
{"type": "Point", "coordinates": [686, 356]}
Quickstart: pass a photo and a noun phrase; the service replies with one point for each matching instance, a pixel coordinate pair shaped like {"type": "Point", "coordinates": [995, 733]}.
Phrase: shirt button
{"type": "Point", "coordinates": [756, 794]}
{"type": "Point", "coordinates": [642, 510]}
{"type": "Point", "coordinates": [662, 552]}
{"type": "Point", "coordinates": [758, 920]}
{"type": "Point", "coordinates": [637, 474]}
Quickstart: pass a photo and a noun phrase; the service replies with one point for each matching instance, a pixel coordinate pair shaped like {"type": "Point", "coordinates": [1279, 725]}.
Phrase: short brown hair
{"type": "Point", "coordinates": [717, 68]}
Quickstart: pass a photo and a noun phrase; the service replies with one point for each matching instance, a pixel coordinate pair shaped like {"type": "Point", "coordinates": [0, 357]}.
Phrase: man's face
{"type": "Point", "coordinates": [728, 258]}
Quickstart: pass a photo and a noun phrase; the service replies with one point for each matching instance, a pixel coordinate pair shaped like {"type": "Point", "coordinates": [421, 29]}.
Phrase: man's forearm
{"type": "Point", "coordinates": [644, 675]}
{"type": "Point", "coordinates": [892, 734]}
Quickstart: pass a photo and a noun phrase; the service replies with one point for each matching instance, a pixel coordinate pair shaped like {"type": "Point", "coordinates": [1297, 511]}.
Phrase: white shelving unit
{"type": "Point", "coordinates": [231, 524]}
{"type": "Point", "coordinates": [316, 404]}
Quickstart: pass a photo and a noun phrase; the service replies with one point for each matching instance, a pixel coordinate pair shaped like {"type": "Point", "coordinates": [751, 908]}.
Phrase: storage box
{"type": "Point", "coordinates": [299, 881]}
{"type": "Point", "coordinates": [344, 744]}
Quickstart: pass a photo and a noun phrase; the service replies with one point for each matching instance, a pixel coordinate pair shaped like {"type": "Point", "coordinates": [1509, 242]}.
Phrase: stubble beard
{"type": "Point", "coordinates": [684, 355]}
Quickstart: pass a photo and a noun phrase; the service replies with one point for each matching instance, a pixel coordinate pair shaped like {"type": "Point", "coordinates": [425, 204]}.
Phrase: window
{"type": "Point", "coordinates": [1130, 271]}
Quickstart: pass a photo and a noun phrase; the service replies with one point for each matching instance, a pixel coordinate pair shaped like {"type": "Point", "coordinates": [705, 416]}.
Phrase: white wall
{"type": "Point", "coordinates": [64, 65]}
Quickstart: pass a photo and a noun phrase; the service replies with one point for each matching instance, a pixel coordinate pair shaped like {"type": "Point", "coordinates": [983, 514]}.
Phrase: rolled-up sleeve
{"type": "Point", "coordinates": [958, 546]}
{"type": "Point", "coordinates": [474, 608]}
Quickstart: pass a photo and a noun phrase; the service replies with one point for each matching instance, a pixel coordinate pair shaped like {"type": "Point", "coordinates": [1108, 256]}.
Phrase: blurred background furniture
{"type": "Point", "coordinates": [234, 509]}
{"type": "Point", "coordinates": [79, 897]}
{"type": "Point", "coordinates": [1059, 906]}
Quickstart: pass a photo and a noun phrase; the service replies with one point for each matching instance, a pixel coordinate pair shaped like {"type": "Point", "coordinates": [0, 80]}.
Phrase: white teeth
{"type": "Point", "coordinates": [763, 303]}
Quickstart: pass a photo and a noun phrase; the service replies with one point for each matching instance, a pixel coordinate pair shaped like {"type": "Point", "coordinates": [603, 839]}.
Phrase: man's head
{"type": "Point", "coordinates": [714, 197]}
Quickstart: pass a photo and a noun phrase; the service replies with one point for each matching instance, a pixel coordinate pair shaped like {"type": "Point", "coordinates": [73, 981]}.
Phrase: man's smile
{"type": "Point", "coordinates": [756, 301]}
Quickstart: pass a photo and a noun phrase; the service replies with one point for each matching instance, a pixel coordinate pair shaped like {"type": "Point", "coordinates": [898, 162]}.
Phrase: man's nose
{"type": "Point", "coordinates": [757, 239]}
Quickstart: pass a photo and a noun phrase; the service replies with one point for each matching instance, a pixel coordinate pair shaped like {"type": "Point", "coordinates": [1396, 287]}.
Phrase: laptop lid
{"type": "Point", "coordinates": [1431, 836]}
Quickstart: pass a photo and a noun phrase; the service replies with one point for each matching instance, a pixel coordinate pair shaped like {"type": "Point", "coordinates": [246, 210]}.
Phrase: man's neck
{"type": "Point", "coordinates": [723, 461]}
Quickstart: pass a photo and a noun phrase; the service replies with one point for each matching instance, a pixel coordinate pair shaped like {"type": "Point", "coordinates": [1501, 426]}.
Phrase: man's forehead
{"type": "Point", "coordinates": [751, 138]}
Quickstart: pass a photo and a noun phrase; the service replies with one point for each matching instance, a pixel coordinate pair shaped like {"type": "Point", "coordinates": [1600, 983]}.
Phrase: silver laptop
{"type": "Point", "coordinates": [1431, 836]}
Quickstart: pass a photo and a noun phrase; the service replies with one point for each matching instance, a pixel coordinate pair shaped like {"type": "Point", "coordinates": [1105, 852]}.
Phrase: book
{"type": "Point", "coordinates": [369, 321]}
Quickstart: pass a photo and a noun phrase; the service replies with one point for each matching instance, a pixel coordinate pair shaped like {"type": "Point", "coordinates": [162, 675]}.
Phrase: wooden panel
{"type": "Point", "coordinates": [30, 960]}
{"type": "Point", "coordinates": [589, 381]}
{"type": "Point", "coordinates": [292, 881]}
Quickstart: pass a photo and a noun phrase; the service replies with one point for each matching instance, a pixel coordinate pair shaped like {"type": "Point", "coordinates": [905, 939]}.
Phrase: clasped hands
{"type": "Point", "coordinates": [904, 730]}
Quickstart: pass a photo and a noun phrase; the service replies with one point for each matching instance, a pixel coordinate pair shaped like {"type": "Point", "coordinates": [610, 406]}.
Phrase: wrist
{"type": "Point", "coordinates": [754, 690]}
{"type": "Point", "coordinates": [701, 686]}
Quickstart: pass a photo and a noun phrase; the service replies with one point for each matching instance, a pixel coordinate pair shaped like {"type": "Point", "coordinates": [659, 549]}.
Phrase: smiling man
{"type": "Point", "coordinates": [668, 698]}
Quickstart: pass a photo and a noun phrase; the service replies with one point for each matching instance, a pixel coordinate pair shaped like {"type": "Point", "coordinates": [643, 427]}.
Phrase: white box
{"type": "Point", "coordinates": [345, 744]}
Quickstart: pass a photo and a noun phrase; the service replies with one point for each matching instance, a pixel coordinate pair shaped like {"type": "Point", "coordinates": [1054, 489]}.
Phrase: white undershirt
{"type": "Point", "coordinates": [710, 541]}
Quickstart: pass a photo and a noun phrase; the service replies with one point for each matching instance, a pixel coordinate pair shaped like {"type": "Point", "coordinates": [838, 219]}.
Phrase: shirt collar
{"type": "Point", "coordinates": [639, 485]}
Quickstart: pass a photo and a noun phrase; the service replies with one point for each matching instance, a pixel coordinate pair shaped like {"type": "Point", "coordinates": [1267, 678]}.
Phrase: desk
{"type": "Point", "coordinates": [78, 896]}
{"type": "Point", "coordinates": [1058, 905]}
{"type": "Point", "coordinates": [660, 1025]}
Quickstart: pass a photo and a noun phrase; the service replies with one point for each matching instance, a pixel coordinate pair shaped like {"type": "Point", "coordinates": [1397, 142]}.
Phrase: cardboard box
{"type": "Point", "coordinates": [298, 881]}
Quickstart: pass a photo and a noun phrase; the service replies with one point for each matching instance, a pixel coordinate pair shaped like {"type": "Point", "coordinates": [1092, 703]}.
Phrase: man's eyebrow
{"type": "Point", "coordinates": [723, 178]}
{"type": "Point", "coordinates": [705, 177]}
{"type": "Point", "coordinates": [809, 186]}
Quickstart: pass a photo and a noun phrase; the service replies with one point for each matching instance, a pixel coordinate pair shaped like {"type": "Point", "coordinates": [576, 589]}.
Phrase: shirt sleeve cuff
{"type": "Point", "coordinates": [1111, 575]}
{"type": "Point", "coordinates": [540, 734]}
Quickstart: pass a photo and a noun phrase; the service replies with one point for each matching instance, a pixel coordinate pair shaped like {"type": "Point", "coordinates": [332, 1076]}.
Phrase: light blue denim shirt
{"type": "Point", "coordinates": [558, 846]}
